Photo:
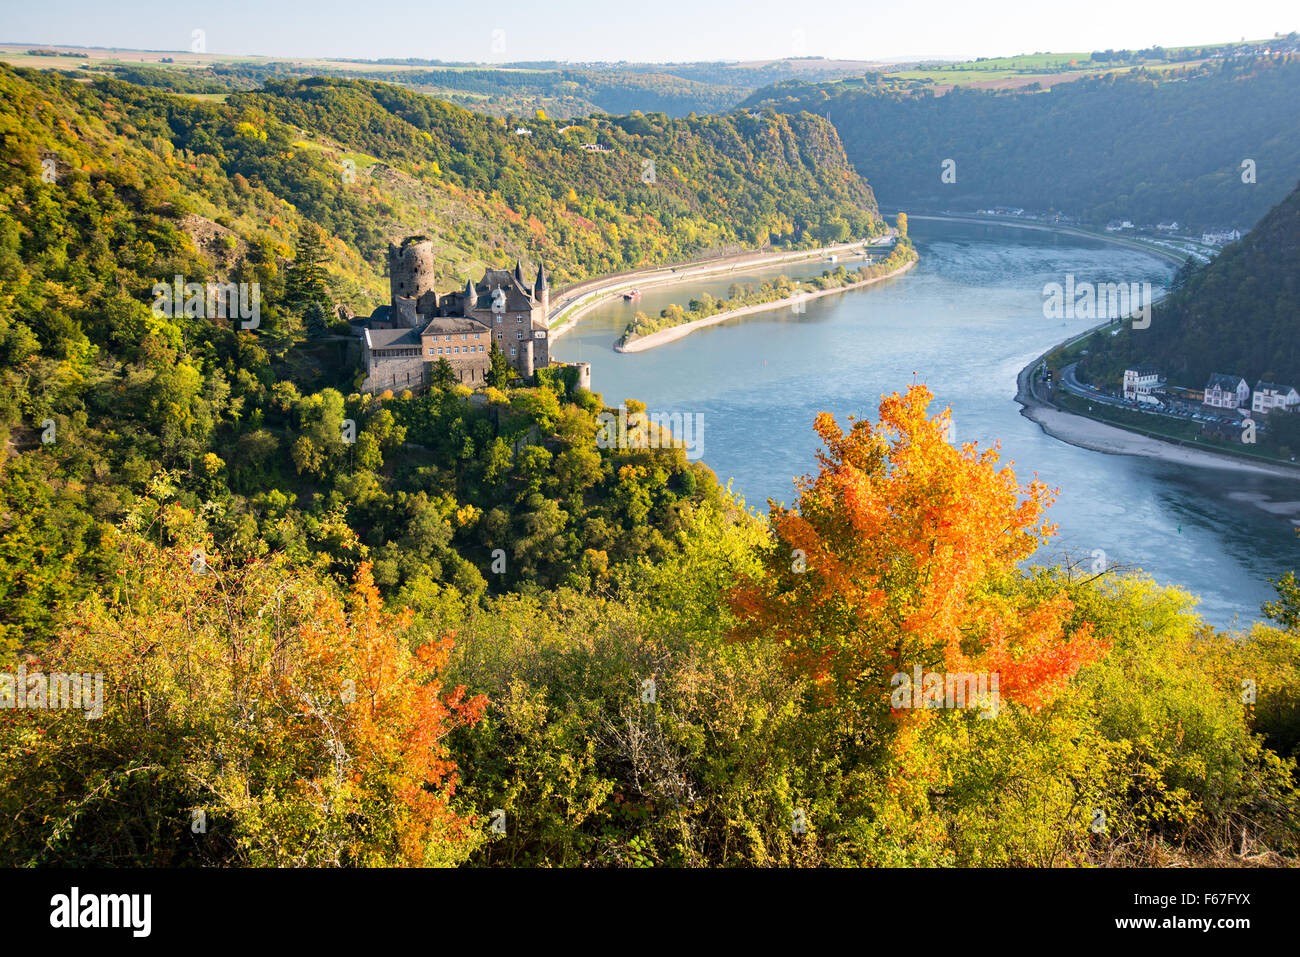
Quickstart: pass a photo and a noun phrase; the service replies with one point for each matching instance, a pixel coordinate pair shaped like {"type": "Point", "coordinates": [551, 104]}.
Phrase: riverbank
{"type": "Point", "coordinates": [1086, 433]}
{"type": "Point", "coordinates": [665, 336]}
{"type": "Point", "coordinates": [1067, 230]}
{"type": "Point", "coordinates": [595, 292]}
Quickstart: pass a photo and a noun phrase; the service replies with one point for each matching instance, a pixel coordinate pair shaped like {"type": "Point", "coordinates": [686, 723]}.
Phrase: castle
{"type": "Point", "coordinates": [401, 342]}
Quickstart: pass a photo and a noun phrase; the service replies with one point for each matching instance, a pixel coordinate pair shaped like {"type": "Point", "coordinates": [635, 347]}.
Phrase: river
{"type": "Point", "coordinates": [963, 322]}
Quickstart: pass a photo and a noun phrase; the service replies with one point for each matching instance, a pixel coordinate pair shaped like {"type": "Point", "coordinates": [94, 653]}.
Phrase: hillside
{"type": "Point", "coordinates": [1239, 314]}
{"type": "Point", "coordinates": [108, 188]}
{"type": "Point", "coordinates": [1145, 146]}
{"type": "Point", "coordinates": [367, 162]}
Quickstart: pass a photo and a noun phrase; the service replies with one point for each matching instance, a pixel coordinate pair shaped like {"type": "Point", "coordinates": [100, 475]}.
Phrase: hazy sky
{"type": "Point", "coordinates": [655, 30]}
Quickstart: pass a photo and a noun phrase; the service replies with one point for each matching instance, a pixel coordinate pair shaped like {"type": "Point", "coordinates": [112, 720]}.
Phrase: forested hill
{"type": "Point", "coordinates": [1240, 314]}
{"type": "Point", "coordinates": [367, 161]}
{"type": "Point", "coordinates": [108, 188]}
{"type": "Point", "coordinates": [1144, 146]}
{"type": "Point", "coordinates": [606, 191]}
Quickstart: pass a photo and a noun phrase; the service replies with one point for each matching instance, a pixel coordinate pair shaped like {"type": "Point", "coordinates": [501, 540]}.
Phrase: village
{"type": "Point", "coordinates": [1226, 408]}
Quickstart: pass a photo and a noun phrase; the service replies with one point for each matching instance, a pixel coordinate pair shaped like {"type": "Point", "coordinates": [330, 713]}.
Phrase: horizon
{"type": "Point", "coordinates": [730, 32]}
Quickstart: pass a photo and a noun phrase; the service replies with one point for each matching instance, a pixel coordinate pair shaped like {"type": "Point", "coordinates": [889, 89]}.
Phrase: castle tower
{"type": "Point", "coordinates": [519, 272]}
{"type": "Point", "coordinates": [584, 375]}
{"type": "Point", "coordinates": [542, 291]}
{"type": "Point", "coordinates": [471, 298]}
{"type": "Point", "coordinates": [411, 268]}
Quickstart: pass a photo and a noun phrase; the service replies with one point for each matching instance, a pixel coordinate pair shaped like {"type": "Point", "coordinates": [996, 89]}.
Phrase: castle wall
{"type": "Point", "coordinates": [397, 374]}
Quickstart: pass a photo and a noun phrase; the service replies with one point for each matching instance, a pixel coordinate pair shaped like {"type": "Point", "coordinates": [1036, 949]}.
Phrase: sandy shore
{"type": "Point", "coordinates": [1088, 433]}
{"type": "Point", "coordinates": [1098, 436]}
{"type": "Point", "coordinates": [600, 291]}
{"type": "Point", "coordinates": [673, 333]}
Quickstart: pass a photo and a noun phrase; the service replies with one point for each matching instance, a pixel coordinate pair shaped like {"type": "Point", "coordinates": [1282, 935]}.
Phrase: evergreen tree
{"type": "Point", "coordinates": [317, 318]}
{"type": "Point", "coordinates": [305, 284]}
{"type": "Point", "coordinates": [499, 372]}
{"type": "Point", "coordinates": [444, 377]}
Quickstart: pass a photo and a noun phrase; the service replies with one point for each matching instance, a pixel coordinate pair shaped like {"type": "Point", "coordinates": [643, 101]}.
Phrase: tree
{"type": "Point", "coordinates": [903, 552]}
{"type": "Point", "coordinates": [443, 375]}
{"type": "Point", "coordinates": [316, 319]}
{"type": "Point", "coordinates": [305, 284]}
{"type": "Point", "coordinates": [499, 371]}
{"type": "Point", "coordinates": [302, 729]}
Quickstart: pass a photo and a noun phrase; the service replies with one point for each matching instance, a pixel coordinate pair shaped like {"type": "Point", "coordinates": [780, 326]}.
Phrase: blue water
{"type": "Point", "coordinates": [963, 322]}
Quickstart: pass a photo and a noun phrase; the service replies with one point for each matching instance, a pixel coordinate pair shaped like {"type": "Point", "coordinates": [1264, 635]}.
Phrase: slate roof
{"type": "Point", "coordinates": [444, 325]}
{"type": "Point", "coordinates": [392, 338]}
{"type": "Point", "coordinates": [1228, 383]}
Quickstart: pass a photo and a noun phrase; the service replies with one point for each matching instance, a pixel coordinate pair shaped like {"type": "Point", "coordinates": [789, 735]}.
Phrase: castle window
{"type": "Point", "coordinates": [521, 335]}
{"type": "Point", "coordinates": [512, 352]}
{"type": "Point", "coordinates": [519, 318]}
{"type": "Point", "coordinates": [498, 319]}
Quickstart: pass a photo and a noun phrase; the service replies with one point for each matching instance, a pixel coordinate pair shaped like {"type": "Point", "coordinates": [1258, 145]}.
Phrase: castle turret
{"type": "Point", "coordinates": [519, 272]}
{"type": "Point", "coordinates": [526, 365]}
{"type": "Point", "coordinates": [411, 270]}
{"type": "Point", "coordinates": [471, 298]}
{"type": "Point", "coordinates": [542, 291]}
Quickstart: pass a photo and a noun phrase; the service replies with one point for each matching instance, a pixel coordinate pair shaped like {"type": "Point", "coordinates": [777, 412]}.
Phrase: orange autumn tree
{"type": "Point", "coordinates": [903, 552]}
{"type": "Point", "coordinates": [252, 715]}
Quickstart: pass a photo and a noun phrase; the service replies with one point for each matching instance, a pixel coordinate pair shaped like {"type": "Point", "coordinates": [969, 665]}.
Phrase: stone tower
{"type": "Point", "coordinates": [410, 267]}
{"type": "Point", "coordinates": [542, 292]}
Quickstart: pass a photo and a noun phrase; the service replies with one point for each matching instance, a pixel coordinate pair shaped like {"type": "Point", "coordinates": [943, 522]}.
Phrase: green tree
{"type": "Point", "coordinates": [443, 375]}
{"type": "Point", "coordinates": [306, 290]}
{"type": "Point", "coordinates": [499, 372]}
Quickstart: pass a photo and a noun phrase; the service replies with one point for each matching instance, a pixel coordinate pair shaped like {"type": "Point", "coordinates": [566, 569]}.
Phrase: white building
{"type": "Point", "coordinates": [1220, 236]}
{"type": "Point", "coordinates": [1141, 381]}
{"type": "Point", "coordinates": [1270, 396]}
{"type": "Point", "coordinates": [1227, 391]}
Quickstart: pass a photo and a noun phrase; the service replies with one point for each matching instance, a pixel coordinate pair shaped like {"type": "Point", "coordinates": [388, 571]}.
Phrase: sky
{"type": "Point", "coordinates": [642, 30]}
